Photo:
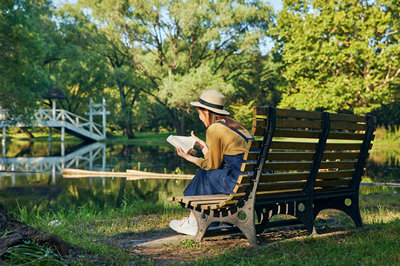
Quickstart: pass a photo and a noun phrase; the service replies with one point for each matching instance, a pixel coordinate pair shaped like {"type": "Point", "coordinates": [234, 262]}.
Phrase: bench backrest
{"type": "Point", "coordinates": [301, 153]}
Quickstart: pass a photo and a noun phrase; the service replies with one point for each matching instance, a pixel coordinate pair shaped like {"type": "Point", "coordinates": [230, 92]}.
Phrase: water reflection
{"type": "Point", "coordinates": [34, 179]}
{"type": "Point", "coordinates": [82, 157]}
{"type": "Point", "coordinates": [30, 174]}
{"type": "Point", "coordinates": [384, 165]}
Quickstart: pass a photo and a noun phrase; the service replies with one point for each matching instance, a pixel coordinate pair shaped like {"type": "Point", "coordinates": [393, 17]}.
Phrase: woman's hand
{"type": "Point", "coordinates": [200, 143]}
{"type": "Point", "coordinates": [186, 156]}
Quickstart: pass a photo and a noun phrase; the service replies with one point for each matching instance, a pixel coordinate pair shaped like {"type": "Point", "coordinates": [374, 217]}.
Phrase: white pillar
{"type": "Point", "coordinates": [91, 115]}
{"type": "Point", "coordinates": [62, 133]}
{"type": "Point", "coordinates": [62, 149]}
{"type": "Point", "coordinates": [91, 160]}
{"type": "Point", "coordinates": [3, 141]}
{"type": "Point", "coordinates": [104, 158]}
{"type": "Point", "coordinates": [49, 134]}
{"type": "Point", "coordinates": [104, 117]}
{"type": "Point", "coordinates": [63, 126]}
{"type": "Point", "coordinates": [53, 174]}
{"type": "Point", "coordinates": [53, 104]}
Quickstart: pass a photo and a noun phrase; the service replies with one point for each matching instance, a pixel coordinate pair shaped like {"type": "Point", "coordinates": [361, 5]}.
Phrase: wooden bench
{"type": "Point", "coordinates": [301, 162]}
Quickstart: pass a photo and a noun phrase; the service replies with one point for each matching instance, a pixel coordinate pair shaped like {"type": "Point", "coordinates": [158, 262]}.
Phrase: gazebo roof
{"type": "Point", "coordinates": [54, 93]}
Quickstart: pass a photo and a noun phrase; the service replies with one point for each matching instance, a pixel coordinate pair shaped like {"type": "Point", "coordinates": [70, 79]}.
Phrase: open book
{"type": "Point", "coordinates": [186, 143]}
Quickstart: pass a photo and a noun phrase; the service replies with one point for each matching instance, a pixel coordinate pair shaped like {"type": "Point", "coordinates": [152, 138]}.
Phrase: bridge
{"type": "Point", "coordinates": [83, 158]}
{"type": "Point", "coordinates": [63, 120]}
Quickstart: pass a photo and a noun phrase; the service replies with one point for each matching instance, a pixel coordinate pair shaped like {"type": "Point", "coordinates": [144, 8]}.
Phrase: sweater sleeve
{"type": "Point", "coordinates": [213, 159]}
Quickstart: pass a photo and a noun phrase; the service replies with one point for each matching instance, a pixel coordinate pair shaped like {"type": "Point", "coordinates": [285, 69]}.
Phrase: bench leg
{"type": "Point", "coordinates": [246, 226]}
{"type": "Point", "coordinates": [306, 215]}
{"type": "Point", "coordinates": [349, 205]}
{"type": "Point", "coordinates": [250, 232]}
{"type": "Point", "coordinates": [202, 224]}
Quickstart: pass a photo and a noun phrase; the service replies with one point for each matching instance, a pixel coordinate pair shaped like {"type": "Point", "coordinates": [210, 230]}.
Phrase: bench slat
{"type": "Point", "coordinates": [280, 177]}
{"type": "Point", "coordinates": [343, 146]}
{"type": "Point", "coordinates": [260, 110]}
{"type": "Point", "coordinates": [309, 134]}
{"type": "Point", "coordinates": [272, 186]}
{"type": "Point", "coordinates": [289, 145]}
{"type": "Point", "coordinates": [315, 124]}
{"type": "Point", "coordinates": [291, 133]}
{"type": "Point", "coordinates": [347, 126]}
{"type": "Point", "coordinates": [273, 166]}
{"type": "Point", "coordinates": [239, 196]}
{"type": "Point", "coordinates": [290, 123]}
{"type": "Point", "coordinates": [297, 156]}
{"type": "Point", "coordinates": [275, 177]}
{"type": "Point", "coordinates": [221, 205]}
{"type": "Point", "coordinates": [335, 174]}
{"type": "Point", "coordinates": [198, 198]}
{"type": "Point", "coordinates": [347, 117]}
{"type": "Point", "coordinates": [310, 115]}
{"type": "Point", "coordinates": [332, 183]}
{"type": "Point", "coordinates": [297, 166]}
{"type": "Point", "coordinates": [285, 145]}
{"type": "Point", "coordinates": [338, 164]}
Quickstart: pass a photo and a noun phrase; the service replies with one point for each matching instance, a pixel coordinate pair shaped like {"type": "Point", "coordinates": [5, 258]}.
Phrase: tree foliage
{"type": "Point", "coordinates": [339, 55]}
{"type": "Point", "coordinates": [26, 47]}
{"type": "Point", "coordinates": [183, 47]}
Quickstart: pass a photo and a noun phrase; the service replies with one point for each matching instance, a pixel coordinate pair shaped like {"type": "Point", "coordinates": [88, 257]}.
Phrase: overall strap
{"type": "Point", "coordinates": [237, 131]}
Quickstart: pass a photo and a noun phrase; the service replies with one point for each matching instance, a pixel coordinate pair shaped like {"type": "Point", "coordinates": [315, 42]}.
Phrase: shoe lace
{"type": "Point", "coordinates": [183, 221]}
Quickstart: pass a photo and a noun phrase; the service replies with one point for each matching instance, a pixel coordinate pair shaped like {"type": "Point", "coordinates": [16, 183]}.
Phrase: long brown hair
{"type": "Point", "coordinates": [230, 122]}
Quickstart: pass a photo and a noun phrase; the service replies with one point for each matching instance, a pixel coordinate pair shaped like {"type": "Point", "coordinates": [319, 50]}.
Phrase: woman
{"type": "Point", "coordinates": [223, 154]}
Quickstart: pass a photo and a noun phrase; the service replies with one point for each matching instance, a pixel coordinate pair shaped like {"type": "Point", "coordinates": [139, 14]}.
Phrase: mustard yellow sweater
{"type": "Point", "coordinates": [221, 140]}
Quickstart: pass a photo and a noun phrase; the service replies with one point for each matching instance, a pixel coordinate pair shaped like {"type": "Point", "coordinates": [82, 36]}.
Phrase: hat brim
{"type": "Point", "coordinates": [215, 110]}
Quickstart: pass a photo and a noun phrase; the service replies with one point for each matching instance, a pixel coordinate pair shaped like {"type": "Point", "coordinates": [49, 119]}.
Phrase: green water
{"type": "Point", "coordinates": [36, 182]}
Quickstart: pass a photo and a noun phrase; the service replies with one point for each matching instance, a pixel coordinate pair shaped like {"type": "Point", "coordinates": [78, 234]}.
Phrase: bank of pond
{"type": "Point", "coordinates": [31, 173]}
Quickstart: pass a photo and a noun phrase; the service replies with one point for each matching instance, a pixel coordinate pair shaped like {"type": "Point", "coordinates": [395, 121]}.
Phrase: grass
{"type": "Point", "coordinates": [94, 231]}
{"type": "Point", "coordinates": [85, 227]}
{"type": "Point", "coordinates": [387, 137]}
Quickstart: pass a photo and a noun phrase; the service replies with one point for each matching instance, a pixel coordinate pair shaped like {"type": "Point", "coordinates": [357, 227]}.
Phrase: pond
{"type": "Point", "coordinates": [31, 174]}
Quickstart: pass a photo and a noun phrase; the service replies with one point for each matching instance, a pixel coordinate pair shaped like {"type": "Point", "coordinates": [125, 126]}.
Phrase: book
{"type": "Point", "coordinates": [186, 143]}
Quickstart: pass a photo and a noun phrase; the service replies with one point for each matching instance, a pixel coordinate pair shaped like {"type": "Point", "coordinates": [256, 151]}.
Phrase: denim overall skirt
{"type": "Point", "coordinates": [221, 180]}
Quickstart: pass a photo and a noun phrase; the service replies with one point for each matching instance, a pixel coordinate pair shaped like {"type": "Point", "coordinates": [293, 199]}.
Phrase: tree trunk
{"type": "Point", "coordinates": [129, 132]}
{"type": "Point", "coordinates": [18, 232]}
{"type": "Point", "coordinates": [175, 121]}
{"type": "Point", "coordinates": [126, 111]}
{"type": "Point", "coordinates": [183, 124]}
{"type": "Point", "coordinates": [29, 134]}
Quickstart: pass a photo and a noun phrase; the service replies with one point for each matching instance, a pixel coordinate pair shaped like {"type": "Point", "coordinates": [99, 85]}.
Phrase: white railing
{"type": "Point", "coordinates": [59, 118]}
{"type": "Point", "coordinates": [47, 116]}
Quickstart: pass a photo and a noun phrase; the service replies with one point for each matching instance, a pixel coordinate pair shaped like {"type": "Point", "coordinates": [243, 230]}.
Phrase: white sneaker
{"type": "Point", "coordinates": [187, 226]}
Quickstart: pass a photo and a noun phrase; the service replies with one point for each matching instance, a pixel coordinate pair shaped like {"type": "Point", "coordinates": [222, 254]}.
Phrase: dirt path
{"type": "Point", "coordinates": [165, 247]}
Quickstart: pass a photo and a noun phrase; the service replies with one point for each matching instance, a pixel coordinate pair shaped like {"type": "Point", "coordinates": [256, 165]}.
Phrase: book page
{"type": "Point", "coordinates": [186, 143]}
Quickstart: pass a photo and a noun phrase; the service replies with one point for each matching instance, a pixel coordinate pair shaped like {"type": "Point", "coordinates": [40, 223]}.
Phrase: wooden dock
{"type": "Point", "coordinates": [129, 174]}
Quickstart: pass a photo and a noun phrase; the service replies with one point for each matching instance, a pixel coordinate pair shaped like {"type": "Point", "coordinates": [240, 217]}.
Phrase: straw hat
{"type": "Point", "coordinates": [212, 100]}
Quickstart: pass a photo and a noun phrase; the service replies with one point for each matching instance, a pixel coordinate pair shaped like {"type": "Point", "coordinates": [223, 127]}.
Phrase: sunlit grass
{"type": "Point", "coordinates": [91, 229]}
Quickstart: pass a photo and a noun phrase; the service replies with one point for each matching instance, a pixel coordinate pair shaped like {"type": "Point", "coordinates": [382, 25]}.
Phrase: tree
{"type": "Point", "coordinates": [339, 55]}
{"type": "Point", "coordinates": [81, 72]}
{"type": "Point", "coordinates": [184, 46]}
{"type": "Point", "coordinates": [106, 61]}
{"type": "Point", "coordinates": [25, 50]}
